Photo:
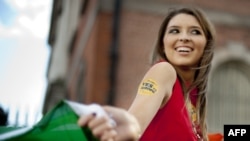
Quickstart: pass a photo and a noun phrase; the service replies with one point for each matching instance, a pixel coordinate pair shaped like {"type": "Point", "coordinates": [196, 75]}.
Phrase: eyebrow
{"type": "Point", "coordinates": [174, 26]}
{"type": "Point", "coordinates": [196, 27]}
{"type": "Point", "coordinates": [191, 27]}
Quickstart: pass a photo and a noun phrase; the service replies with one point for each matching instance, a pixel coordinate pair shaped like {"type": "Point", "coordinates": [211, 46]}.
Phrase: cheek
{"type": "Point", "coordinates": [168, 50]}
{"type": "Point", "coordinates": [201, 45]}
{"type": "Point", "coordinates": [200, 51]}
{"type": "Point", "coordinates": [168, 43]}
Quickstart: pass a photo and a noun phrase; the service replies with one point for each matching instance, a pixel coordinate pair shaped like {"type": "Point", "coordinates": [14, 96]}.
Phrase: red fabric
{"type": "Point", "coordinates": [193, 96]}
{"type": "Point", "coordinates": [171, 122]}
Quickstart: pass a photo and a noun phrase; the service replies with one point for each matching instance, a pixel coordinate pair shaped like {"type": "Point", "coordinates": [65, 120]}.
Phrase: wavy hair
{"type": "Point", "coordinates": [204, 65]}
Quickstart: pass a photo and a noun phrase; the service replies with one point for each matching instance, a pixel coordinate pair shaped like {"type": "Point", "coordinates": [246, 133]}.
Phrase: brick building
{"type": "Point", "coordinates": [100, 51]}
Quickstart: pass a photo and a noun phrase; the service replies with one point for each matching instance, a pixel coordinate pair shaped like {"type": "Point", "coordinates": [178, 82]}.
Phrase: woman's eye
{"type": "Point", "coordinates": [196, 32]}
{"type": "Point", "coordinates": [174, 31]}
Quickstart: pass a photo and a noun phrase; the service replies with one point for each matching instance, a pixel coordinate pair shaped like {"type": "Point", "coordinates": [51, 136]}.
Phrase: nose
{"type": "Point", "coordinates": [184, 37]}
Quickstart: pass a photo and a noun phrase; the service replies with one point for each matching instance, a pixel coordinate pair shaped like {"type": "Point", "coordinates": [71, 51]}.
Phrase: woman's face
{"type": "Point", "coordinates": [184, 41]}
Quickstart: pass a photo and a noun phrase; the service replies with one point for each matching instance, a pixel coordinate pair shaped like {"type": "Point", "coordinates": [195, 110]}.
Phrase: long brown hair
{"type": "Point", "coordinates": [203, 69]}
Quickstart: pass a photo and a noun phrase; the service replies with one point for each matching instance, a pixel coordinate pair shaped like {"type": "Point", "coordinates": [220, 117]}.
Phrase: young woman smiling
{"type": "Point", "coordinates": [171, 100]}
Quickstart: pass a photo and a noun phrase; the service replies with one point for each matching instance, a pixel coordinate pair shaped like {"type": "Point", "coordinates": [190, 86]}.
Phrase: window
{"type": "Point", "coordinates": [229, 95]}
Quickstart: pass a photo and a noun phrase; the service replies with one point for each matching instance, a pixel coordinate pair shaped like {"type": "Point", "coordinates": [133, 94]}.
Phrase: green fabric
{"type": "Point", "coordinates": [59, 124]}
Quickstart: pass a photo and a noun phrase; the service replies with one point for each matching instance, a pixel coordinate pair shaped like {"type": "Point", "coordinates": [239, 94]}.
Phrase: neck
{"type": "Point", "coordinates": [186, 73]}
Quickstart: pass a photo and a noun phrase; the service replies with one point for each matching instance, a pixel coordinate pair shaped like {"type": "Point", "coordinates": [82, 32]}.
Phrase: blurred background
{"type": "Point", "coordinates": [98, 51]}
{"type": "Point", "coordinates": [24, 56]}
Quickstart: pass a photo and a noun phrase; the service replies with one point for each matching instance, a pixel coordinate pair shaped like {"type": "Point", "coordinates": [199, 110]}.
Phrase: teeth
{"type": "Point", "coordinates": [183, 49]}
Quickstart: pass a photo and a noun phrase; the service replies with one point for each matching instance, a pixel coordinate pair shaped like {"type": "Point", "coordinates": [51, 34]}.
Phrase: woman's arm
{"type": "Point", "coordinates": [154, 91]}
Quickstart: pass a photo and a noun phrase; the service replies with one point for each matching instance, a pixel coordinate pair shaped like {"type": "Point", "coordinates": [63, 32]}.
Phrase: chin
{"type": "Point", "coordinates": [185, 65]}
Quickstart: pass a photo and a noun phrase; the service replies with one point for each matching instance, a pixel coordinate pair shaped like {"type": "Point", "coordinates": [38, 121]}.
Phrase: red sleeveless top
{"type": "Point", "coordinates": [171, 122]}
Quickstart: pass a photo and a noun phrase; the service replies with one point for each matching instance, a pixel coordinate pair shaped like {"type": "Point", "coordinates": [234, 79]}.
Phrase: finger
{"type": "Point", "coordinates": [100, 125]}
{"type": "Point", "coordinates": [117, 113]}
{"type": "Point", "coordinates": [98, 121]}
{"type": "Point", "coordinates": [109, 135]}
{"type": "Point", "coordinates": [83, 120]}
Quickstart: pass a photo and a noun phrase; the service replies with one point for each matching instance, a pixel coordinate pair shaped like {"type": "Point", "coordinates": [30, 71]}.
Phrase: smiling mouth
{"type": "Point", "coordinates": [184, 49]}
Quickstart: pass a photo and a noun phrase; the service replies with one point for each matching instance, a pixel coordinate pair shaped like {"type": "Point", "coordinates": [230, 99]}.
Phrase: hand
{"type": "Point", "coordinates": [101, 126]}
{"type": "Point", "coordinates": [127, 128]}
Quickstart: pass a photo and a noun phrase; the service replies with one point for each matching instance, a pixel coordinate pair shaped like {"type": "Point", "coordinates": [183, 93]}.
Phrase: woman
{"type": "Point", "coordinates": [171, 99]}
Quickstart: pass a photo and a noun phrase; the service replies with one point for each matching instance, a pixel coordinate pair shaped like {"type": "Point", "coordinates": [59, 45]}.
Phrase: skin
{"type": "Point", "coordinates": [184, 43]}
{"type": "Point", "coordinates": [188, 34]}
{"type": "Point", "coordinates": [127, 129]}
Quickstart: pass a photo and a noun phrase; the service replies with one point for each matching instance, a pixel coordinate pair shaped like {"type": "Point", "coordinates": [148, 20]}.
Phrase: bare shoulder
{"type": "Point", "coordinates": [164, 65]}
{"type": "Point", "coordinates": [164, 75]}
{"type": "Point", "coordinates": [164, 70]}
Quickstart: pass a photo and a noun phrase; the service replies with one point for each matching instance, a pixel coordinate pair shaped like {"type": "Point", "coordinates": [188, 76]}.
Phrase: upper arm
{"type": "Point", "coordinates": [156, 85]}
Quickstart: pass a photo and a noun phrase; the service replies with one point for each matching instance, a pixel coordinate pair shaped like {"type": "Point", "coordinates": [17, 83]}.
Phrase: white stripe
{"type": "Point", "coordinates": [14, 133]}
